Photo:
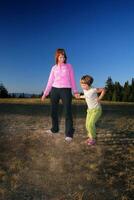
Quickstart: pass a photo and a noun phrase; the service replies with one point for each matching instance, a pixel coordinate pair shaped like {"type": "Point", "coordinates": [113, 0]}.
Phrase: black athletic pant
{"type": "Point", "coordinates": [66, 96]}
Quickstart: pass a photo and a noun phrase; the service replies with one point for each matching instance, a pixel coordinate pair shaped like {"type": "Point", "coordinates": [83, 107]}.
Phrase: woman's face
{"type": "Point", "coordinates": [61, 59]}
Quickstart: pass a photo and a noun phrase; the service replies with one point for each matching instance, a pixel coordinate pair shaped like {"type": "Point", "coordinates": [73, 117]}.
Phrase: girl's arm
{"type": "Point", "coordinates": [102, 92]}
{"type": "Point", "coordinates": [82, 97]}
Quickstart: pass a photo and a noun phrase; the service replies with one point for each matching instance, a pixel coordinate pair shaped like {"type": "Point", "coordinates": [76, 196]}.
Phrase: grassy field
{"type": "Point", "coordinates": [47, 101]}
{"type": "Point", "coordinates": [36, 166]}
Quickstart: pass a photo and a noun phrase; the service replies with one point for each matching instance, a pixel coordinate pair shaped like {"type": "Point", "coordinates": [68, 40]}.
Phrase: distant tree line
{"type": "Point", "coordinates": [4, 94]}
{"type": "Point", "coordinates": [114, 92]}
{"type": "Point", "coordinates": [117, 92]}
{"type": "Point", "coordinates": [3, 91]}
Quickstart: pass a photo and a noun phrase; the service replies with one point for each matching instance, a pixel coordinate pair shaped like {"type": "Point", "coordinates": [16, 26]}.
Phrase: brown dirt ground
{"type": "Point", "coordinates": [37, 166]}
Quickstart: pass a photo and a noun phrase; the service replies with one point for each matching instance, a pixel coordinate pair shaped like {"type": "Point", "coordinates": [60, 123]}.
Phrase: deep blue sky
{"type": "Point", "coordinates": [98, 36]}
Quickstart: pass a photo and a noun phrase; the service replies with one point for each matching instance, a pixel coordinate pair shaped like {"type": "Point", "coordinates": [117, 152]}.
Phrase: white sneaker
{"type": "Point", "coordinates": [68, 139]}
{"type": "Point", "coordinates": [49, 131]}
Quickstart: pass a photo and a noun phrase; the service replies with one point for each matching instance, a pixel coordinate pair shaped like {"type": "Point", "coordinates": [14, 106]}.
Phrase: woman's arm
{"type": "Point", "coordinates": [73, 83]}
{"type": "Point", "coordinates": [49, 83]}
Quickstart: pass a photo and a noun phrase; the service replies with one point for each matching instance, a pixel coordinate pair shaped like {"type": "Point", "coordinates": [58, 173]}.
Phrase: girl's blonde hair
{"type": "Point", "coordinates": [86, 79]}
{"type": "Point", "coordinates": [60, 52]}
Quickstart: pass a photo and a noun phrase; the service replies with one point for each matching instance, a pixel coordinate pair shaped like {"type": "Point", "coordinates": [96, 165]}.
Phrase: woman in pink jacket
{"type": "Point", "coordinates": [60, 84]}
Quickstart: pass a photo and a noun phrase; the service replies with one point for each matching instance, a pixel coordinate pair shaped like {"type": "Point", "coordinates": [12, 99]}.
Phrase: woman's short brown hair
{"type": "Point", "coordinates": [86, 79]}
{"type": "Point", "coordinates": [60, 52]}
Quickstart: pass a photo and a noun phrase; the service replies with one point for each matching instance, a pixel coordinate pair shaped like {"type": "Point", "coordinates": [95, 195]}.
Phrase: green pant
{"type": "Point", "coordinates": [92, 116]}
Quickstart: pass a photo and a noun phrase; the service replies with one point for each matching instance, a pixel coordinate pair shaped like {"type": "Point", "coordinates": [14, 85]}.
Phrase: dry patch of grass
{"type": "Point", "coordinates": [37, 166]}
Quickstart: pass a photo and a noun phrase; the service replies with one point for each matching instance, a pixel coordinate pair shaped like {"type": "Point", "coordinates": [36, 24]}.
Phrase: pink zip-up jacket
{"type": "Point", "coordinates": [61, 76]}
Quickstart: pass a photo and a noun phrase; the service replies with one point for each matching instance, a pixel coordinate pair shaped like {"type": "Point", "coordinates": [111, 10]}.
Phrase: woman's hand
{"type": "Point", "coordinates": [77, 96]}
{"type": "Point", "coordinates": [43, 98]}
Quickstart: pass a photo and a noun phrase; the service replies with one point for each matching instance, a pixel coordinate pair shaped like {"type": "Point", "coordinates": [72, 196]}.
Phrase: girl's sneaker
{"type": "Point", "coordinates": [91, 142]}
{"type": "Point", "coordinates": [68, 139]}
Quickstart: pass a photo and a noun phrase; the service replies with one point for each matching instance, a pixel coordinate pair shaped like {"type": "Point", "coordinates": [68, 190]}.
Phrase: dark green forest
{"type": "Point", "coordinates": [116, 92]}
